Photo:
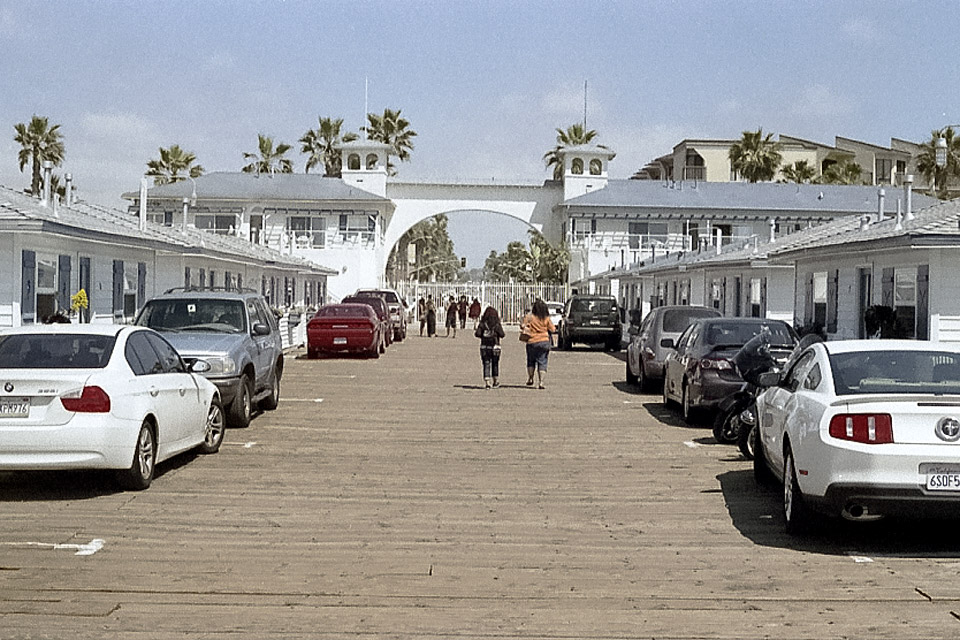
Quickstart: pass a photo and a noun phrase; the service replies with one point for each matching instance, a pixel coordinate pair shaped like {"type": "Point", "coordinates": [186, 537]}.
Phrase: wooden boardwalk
{"type": "Point", "coordinates": [395, 498]}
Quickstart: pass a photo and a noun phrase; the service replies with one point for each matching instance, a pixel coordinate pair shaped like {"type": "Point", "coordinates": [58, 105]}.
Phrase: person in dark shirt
{"type": "Point", "coordinates": [489, 330]}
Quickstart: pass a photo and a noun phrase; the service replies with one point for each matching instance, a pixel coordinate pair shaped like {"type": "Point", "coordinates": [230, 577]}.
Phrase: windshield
{"type": "Point", "coordinates": [676, 320]}
{"type": "Point", "coordinates": [198, 315]}
{"type": "Point", "coordinates": [592, 306]}
{"type": "Point", "coordinates": [936, 372]}
{"type": "Point", "coordinates": [737, 334]}
{"type": "Point", "coordinates": [344, 312]}
{"type": "Point", "coordinates": [47, 351]}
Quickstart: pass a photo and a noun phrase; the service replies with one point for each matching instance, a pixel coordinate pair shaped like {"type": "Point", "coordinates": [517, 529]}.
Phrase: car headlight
{"type": "Point", "coordinates": [220, 365]}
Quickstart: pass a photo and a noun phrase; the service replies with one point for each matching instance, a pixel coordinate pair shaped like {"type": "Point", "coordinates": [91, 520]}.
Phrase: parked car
{"type": "Point", "coordinates": [399, 310]}
{"type": "Point", "coordinates": [862, 429]}
{"type": "Point", "coordinates": [382, 311]}
{"type": "Point", "coordinates": [591, 320]}
{"type": "Point", "coordinates": [556, 313]}
{"type": "Point", "coordinates": [345, 328]}
{"type": "Point", "coordinates": [698, 372]}
{"type": "Point", "coordinates": [645, 354]}
{"type": "Point", "coordinates": [235, 332]}
{"type": "Point", "coordinates": [101, 397]}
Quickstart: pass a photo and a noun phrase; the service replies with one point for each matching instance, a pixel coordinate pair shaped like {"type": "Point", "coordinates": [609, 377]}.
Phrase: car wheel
{"type": "Point", "coordinates": [642, 381]}
{"type": "Point", "coordinates": [140, 474]}
{"type": "Point", "coordinates": [242, 405]}
{"type": "Point", "coordinates": [613, 345]}
{"type": "Point", "coordinates": [631, 379]}
{"type": "Point", "coordinates": [666, 394]}
{"type": "Point", "coordinates": [213, 436]}
{"type": "Point", "coordinates": [383, 346]}
{"type": "Point", "coordinates": [689, 412]}
{"type": "Point", "coordinates": [271, 401]}
{"type": "Point", "coordinates": [796, 514]}
{"type": "Point", "coordinates": [726, 426]}
{"type": "Point", "coordinates": [375, 351]}
{"type": "Point", "coordinates": [567, 343]}
{"type": "Point", "coordinates": [313, 354]}
{"type": "Point", "coordinates": [747, 440]}
{"type": "Point", "coordinates": [761, 471]}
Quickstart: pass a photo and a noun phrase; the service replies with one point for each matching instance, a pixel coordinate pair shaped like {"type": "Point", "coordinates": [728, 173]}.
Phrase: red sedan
{"type": "Point", "coordinates": [353, 328]}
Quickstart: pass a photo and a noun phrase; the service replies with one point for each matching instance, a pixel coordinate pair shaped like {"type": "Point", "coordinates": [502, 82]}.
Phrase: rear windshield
{"type": "Point", "coordinates": [593, 306]}
{"type": "Point", "coordinates": [46, 351]}
{"type": "Point", "coordinates": [736, 334]}
{"type": "Point", "coordinates": [676, 320]}
{"type": "Point", "coordinates": [376, 303]}
{"type": "Point", "coordinates": [343, 312]}
{"type": "Point", "coordinates": [936, 372]}
{"type": "Point", "coordinates": [211, 316]}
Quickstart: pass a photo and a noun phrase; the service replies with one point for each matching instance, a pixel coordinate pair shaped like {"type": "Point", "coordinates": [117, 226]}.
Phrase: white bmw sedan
{"type": "Point", "coordinates": [864, 428]}
{"type": "Point", "coordinates": [101, 397]}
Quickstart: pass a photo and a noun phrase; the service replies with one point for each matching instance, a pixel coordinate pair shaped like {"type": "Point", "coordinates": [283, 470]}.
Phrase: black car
{"type": "Point", "coordinates": [591, 320]}
{"type": "Point", "coordinates": [699, 373]}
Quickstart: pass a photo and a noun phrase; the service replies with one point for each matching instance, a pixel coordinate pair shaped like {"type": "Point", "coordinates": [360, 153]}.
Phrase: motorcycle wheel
{"type": "Point", "coordinates": [726, 426]}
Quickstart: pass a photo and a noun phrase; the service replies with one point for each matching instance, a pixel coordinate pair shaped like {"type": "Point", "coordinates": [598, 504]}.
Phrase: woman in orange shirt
{"type": "Point", "coordinates": [538, 326]}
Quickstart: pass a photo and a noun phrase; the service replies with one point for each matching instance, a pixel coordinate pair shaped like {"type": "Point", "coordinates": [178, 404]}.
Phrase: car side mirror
{"type": "Point", "coordinates": [769, 379]}
{"type": "Point", "coordinates": [668, 343]}
{"type": "Point", "coordinates": [200, 366]}
{"type": "Point", "coordinates": [260, 329]}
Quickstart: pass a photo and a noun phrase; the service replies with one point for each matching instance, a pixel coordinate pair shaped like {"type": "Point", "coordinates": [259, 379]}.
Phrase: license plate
{"type": "Point", "coordinates": [19, 408]}
{"type": "Point", "coordinates": [339, 341]}
{"type": "Point", "coordinates": [943, 482]}
{"type": "Point", "coordinates": [594, 322]}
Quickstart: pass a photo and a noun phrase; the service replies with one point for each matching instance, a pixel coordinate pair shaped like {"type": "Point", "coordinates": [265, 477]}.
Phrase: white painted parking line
{"type": "Point", "coordinates": [860, 559]}
{"type": "Point", "coordinates": [314, 400]}
{"type": "Point", "coordinates": [81, 549]}
{"type": "Point", "coordinates": [340, 375]}
{"type": "Point", "coordinates": [692, 445]}
{"type": "Point", "coordinates": [245, 445]}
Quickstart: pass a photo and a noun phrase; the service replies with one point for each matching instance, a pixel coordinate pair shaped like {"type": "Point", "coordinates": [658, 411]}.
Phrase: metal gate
{"type": "Point", "coordinates": [510, 299]}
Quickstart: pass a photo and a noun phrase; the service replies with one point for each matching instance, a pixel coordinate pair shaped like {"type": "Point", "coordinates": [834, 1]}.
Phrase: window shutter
{"type": "Point", "coordinates": [763, 297]}
{"type": "Point", "coordinates": [63, 282]}
{"type": "Point", "coordinates": [28, 288]}
{"type": "Point", "coordinates": [832, 301]}
{"type": "Point", "coordinates": [723, 297]}
{"type": "Point", "coordinates": [923, 304]}
{"type": "Point", "coordinates": [118, 290]}
{"type": "Point", "coordinates": [808, 301]}
{"type": "Point", "coordinates": [141, 284]}
{"type": "Point", "coordinates": [887, 287]}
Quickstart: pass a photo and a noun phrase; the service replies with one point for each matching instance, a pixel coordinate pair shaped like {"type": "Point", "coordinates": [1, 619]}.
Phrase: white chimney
{"type": "Point", "coordinates": [908, 195]}
{"type": "Point", "coordinates": [881, 200]}
{"type": "Point", "coordinates": [69, 181]}
{"type": "Point", "coordinates": [47, 179]}
{"type": "Point", "coordinates": [773, 229]}
{"type": "Point", "coordinates": [143, 202]}
{"type": "Point", "coordinates": [719, 233]}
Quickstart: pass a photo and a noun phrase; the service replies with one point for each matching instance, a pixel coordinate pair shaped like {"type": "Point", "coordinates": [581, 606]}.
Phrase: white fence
{"type": "Point", "coordinates": [510, 299]}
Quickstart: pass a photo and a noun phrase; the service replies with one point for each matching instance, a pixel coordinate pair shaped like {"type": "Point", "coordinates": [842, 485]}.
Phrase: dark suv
{"type": "Point", "coordinates": [235, 332]}
{"type": "Point", "coordinates": [592, 320]}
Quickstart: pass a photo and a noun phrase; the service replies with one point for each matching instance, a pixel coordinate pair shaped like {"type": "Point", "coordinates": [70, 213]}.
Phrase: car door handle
{"type": "Point", "coordinates": [154, 391]}
{"type": "Point", "coordinates": [183, 391]}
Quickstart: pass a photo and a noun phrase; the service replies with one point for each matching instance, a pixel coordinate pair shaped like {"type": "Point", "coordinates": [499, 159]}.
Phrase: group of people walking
{"type": "Point", "coordinates": [536, 330]}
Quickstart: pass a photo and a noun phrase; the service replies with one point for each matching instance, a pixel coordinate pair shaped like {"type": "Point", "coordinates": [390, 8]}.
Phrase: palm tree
{"type": "Point", "coordinates": [939, 177]}
{"type": "Point", "coordinates": [844, 172]}
{"type": "Point", "coordinates": [800, 172]}
{"type": "Point", "coordinates": [174, 162]}
{"type": "Point", "coordinates": [38, 142]}
{"type": "Point", "coordinates": [393, 130]}
{"type": "Point", "coordinates": [549, 263]}
{"type": "Point", "coordinates": [320, 145]}
{"type": "Point", "coordinates": [575, 134]}
{"type": "Point", "coordinates": [268, 159]}
{"type": "Point", "coordinates": [755, 157]}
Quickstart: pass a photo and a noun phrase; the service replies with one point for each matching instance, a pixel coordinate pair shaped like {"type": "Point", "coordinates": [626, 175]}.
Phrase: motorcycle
{"type": "Point", "coordinates": [737, 413]}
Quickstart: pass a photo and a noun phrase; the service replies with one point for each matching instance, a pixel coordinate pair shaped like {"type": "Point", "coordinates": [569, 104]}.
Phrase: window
{"type": "Point", "coordinates": [813, 378]}
{"type": "Point", "coordinates": [889, 372]}
{"type": "Point", "coordinates": [820, 298]}
{"type": "Point", "coordinates": [371, 161]}
{"type": "Point", "coordinates": [357, 226]}
{"type": "Point", "coordinates": [353, 162]}
{"type": "Point", "coordinates": [169, 358]}
{"type": "Point", "coordinates": [256, 228]}
{"type": "Point", "coordinates": [756, 298]}
{"type": "Point", "coordinates": [130, 290]}
{"type": "Point", "coordinates": [596, 167]}
{"type": "Point", "coordinates": [715, 293]}
{"type": "Point", "coordinates": [162, 217]}
{"type": "Point", "coordinates": [647, 233]}
{"type": "Point", "coordinates": [884, 170]}
{"type": "Point", "coordinates": [141, 357]}
{"type": "Point", "coordinates": [905, 301]}
{"type": "Point", "coordinates": [46, 286]}
{"type": "Point", "coordinates": [60, 351]}
{"type": "Point", "coordinates": [307, 231]}
{"type": "Point", "coordinates": [576, 166]}
{"type": "Point", "coordinates": [221, 224]}
{"type": "Point", "coordinates": [694, 168]}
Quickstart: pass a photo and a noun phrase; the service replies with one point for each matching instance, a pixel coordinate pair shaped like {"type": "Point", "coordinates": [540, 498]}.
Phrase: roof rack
{"type": "Point", "coordinates": [192, 289]}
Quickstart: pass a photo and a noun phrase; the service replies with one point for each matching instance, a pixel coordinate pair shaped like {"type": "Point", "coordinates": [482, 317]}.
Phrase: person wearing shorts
{"type": "Point", "coordinates": [538, 326]}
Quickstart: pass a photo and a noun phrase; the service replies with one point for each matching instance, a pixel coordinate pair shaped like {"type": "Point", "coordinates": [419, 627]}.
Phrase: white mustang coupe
{"type": "Point", "coordinates": [862, 429]}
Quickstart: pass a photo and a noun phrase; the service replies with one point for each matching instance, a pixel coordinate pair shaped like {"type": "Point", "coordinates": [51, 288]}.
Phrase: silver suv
{"type": "Point", "coordinates": [235, 332]}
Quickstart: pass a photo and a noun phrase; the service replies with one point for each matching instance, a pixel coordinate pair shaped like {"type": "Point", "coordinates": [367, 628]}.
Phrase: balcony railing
{"type": "Point", "coordinates": [695, 173]}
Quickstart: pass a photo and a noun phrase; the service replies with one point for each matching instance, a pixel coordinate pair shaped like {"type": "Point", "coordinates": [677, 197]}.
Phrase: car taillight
{"type": "Point", "coordinates": [866, 428]}
{"type": "Point", "coordinates": [718, 364]}
{"type": "Point", "coordinates": [90, 400]}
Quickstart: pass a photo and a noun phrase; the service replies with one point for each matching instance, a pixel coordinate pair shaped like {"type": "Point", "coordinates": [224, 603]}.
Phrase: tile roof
{"type": "Point", "coordinates": [82, 218]}
{"type": "Point", "coordinates": [250, 186]}
{"type": "Point", "coordinates": [815, 199]}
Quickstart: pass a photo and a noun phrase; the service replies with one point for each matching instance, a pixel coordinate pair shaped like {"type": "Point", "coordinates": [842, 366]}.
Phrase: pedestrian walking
{"type": "Point", "coordinates": [431, 317]}
{"type": "Point", "coordinates": [475, 313]}
{"type": "Point", "coordinates": [422, 313]}
{"type": "Point", "coordinates": [462, 312]}
{"type": "Point", "coordinates": [490, 330]}
{"type": "Point", "coordinates": [537, 329]}
{"type": "Point", "coordinates": [451, 323]}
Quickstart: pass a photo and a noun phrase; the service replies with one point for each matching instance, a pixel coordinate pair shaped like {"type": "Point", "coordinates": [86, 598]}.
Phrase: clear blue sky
{"type": "Point", "coordinates": [485, 83]}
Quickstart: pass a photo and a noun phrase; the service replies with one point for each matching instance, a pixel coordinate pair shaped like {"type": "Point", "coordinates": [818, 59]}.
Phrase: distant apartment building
{"type": "Point", "coordinates": [708, 160]}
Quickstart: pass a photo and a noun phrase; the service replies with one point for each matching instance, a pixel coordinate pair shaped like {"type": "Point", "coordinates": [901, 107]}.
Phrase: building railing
{"type": "Point", "coordinates": [695, 173]}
